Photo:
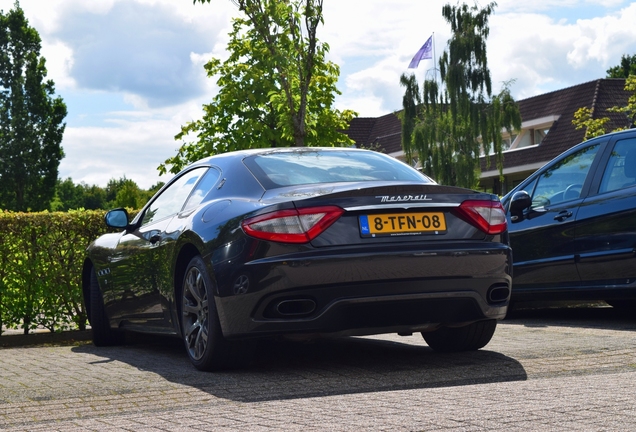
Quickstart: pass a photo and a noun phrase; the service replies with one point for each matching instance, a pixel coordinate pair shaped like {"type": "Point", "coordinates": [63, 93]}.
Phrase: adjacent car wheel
{"type": "Point", "coordinates": [103, 334]}
{"type": "Point", "coordinates": [467, 338]}
{"type": "Point", "coordinates": [200, 326]}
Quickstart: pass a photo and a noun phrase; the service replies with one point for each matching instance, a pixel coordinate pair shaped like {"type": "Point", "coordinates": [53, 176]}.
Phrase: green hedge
{"type": "Point", "coordinates": [41, 257]}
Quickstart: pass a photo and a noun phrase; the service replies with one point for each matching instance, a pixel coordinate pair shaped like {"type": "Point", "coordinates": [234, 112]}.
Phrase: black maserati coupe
{"type": "Point", "coordinates": [305, 242]}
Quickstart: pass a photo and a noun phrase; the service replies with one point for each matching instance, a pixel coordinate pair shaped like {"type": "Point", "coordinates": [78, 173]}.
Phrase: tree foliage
{"type": "Point", "coordinates": [276, 88]}
{"type": "Point", "coordinates": [41, 256]}
{"type": "Point", "coordinates": [626, 67]}
{"type": "Point", "coordinates": [121, 192]}
{"type": "Point", "coordinates": [410, 103]}
{"type": "Point", "coordinates": [584, 117]}
{"type": "Point", "coordinates": [460, 116]}
{"type": "Point", "coordinates": [628, 110]}
{"type": "Point", "coordinates": [31, 118]}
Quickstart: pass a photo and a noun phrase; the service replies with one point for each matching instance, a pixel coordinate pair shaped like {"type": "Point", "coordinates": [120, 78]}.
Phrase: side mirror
{"type": "Point", "coordinates": [520, 201]}
{"type": "Point", "coordinates": [117, 218]}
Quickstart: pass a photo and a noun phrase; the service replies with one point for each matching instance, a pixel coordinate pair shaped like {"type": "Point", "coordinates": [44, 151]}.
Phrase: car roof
{"type": "Point", "coordinates": [611, 134]}
{"type": "Point", "coordinates": [251, 152]}
{"type": "Point", "coordinates": [241, 154]}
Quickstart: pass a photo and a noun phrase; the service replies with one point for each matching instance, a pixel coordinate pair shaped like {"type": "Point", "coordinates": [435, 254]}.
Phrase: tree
{"type": "Point", "coordinates": [68, 196]}
{"type": "Point", "coordinates": [31, 118]}
{"type": "Point", "coordinates": [584, 117]}
{"type": "Point", "coordinates": [276, 89]}
{"type": "Point", "coordinates": [626, 68]}
{"type": "Point", "coordinates": [125, 192]}
{"type": "Point", "coordinates": [460, 117]}
{"type": "Point", "coordinates": [155, 188]}
{"type": "Point", "coordinates": [129, 195]}
{"type": "Point", "coordinates": [94, 197]}
{"type": "Point", "coordinates": [112, 188]}
{"type": "Point", "coordinates": [410, 102]}
{"type": "Point", "coordinates": [118, 193]}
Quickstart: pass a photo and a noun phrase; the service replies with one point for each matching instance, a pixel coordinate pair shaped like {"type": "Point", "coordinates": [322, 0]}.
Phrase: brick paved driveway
{"type": "Point", "coordinates": [570, 370]}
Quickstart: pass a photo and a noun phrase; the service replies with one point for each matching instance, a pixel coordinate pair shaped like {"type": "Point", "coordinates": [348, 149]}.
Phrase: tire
{"type": "Point", "coordinates": [103, 334]}
{"type": "Point", "coordinates": [200, 327]}
{"type": "Point", "coordinates": [467, 338]}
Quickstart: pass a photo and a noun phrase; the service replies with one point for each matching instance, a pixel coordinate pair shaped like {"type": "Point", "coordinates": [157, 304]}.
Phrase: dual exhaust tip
{"type": "Point", "coordinates": [301, 307]}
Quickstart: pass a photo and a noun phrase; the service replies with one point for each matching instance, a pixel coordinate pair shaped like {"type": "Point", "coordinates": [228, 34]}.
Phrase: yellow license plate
{"type": "Point", "coordinates": [402, 224]}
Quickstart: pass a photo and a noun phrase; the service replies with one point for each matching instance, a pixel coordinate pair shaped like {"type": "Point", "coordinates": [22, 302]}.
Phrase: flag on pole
{"type": "Point", "coordinates": [426, 52]}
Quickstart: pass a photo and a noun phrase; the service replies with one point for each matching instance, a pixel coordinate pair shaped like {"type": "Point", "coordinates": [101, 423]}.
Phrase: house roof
{"type": "Point", "coordinates": [598, 95]}
{"type": "Point", "coordinates": [386, 132]}
{"type": "Point", "coordinates": [377, 132]}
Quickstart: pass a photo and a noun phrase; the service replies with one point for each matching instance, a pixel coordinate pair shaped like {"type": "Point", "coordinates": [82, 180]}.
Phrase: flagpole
{"type": "Point", "coordinates": [434, 61]}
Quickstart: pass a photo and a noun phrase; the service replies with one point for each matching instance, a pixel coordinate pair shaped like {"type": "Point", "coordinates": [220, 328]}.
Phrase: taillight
{"type": "Point", "coordinates": [292, 226]}
{"type": "Point", "coordinates": [488, 216]}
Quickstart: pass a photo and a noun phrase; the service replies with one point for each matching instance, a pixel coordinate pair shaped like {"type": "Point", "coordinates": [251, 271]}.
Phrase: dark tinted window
{"type": "Point", "coordinates": [278, 169]}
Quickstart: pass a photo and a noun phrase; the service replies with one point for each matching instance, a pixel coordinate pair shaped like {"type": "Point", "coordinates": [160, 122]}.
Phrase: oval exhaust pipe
{"type": "Point", "coordinates": [498, 293]}
{"type": "Point", "coordinates": [296, 307]}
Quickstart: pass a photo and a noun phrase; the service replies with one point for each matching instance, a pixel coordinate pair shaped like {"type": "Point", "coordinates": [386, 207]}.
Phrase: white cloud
{"type": "Point", "coordinates": [130, 143]}
{"type": "Point", "coordinates": [133, 149]}
{"type": "Point", "coordinates": [544, 55]}
{"type": "Point", "coordinates": [373, 41]}
{"type": "Point", "coordinates": [604, 39]}
{"type": "Point", "coordinates": [542, 46]}
{"type": "Point", "coordinates": [59, 61]}
{"type": "Point", "coordinates": [569, 7]}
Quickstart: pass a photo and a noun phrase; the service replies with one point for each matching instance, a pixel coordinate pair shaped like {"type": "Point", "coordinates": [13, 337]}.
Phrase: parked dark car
{"type": "Point", "coordinates": [572, 225]}
{"type": "Point", "coordinates": [301, 242]}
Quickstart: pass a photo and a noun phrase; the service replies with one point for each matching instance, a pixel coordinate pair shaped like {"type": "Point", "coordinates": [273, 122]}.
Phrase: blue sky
{"type": "Point", "coordinates": [131, 71]}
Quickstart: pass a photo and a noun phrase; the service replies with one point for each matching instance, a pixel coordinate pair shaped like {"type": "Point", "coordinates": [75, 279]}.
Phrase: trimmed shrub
{"type": "Point", "coordinates": [41, 258]}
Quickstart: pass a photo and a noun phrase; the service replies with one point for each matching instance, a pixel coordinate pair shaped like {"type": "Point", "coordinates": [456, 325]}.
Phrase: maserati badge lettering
{"type": "Point", "coordinates": [403, 198]}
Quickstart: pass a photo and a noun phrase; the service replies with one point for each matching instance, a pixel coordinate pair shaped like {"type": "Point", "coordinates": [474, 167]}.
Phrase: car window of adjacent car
{"type": "Point", "coordinates": [564, 180]}
{"type": "Point", "coordinates": [171, 200]}
{"type": "Point", "coordinates": [294, 168]}
{"type": "Point", "coordinates": [620, 171]}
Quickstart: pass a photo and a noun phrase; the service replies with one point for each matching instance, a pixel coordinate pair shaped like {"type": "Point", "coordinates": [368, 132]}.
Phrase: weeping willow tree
{"type": "Point", "coordinates": [410, 103]}
{"type": "Point", "coordinates": [459, 116]}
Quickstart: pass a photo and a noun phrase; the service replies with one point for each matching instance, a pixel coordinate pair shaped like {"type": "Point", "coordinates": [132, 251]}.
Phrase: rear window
{"type": "Point", "coordinates": [301, 167]}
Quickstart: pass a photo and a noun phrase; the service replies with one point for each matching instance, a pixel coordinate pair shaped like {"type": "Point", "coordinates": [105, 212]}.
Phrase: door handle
{"type": "Point", "coordinates": [563, 216]}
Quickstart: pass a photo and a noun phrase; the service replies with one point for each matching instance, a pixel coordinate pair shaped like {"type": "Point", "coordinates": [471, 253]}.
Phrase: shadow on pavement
{"type": "Point", "coordinates": [288, 370]}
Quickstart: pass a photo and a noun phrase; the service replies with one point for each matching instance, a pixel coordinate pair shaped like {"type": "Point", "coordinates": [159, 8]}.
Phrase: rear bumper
{"type": "Point", "coordinates": [400, 291]}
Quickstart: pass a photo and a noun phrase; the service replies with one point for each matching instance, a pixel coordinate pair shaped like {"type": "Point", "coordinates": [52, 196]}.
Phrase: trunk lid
{"type": "Point", "coordinates": [378, 213]}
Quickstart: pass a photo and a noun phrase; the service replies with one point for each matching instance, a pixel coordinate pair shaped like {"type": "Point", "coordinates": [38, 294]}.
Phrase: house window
{"type": "Point", "coordinates": [525, 140]}
{"type": "Point", "coordinates": [539, 135]}
{"type": "Point", "coordinates": [508, 140]}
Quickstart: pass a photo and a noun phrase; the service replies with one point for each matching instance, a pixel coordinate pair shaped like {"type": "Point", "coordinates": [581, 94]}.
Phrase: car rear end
{"type": "Point", "coordinates": [370, 257]}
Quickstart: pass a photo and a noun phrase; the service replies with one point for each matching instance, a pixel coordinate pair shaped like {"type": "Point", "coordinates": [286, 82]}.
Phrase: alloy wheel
{"type": "Point", "coordinates": [195, 313]}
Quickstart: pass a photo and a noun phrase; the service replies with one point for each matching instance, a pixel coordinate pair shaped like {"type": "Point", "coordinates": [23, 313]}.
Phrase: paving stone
{"type": "Point", "coordinates": [543, 373]}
